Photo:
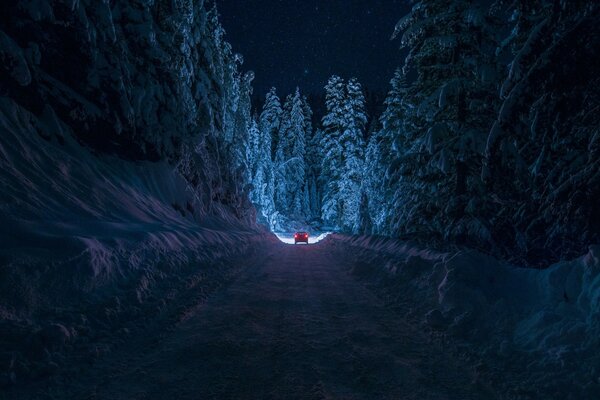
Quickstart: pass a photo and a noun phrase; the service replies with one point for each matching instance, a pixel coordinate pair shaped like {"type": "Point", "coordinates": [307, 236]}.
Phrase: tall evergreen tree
{"type": "Point", "coordinates": [332, 162]}
{"type": "Point", "coordinates": [314, 159]}
{"type": "Point", "coordinates": [343, 153]}
{"type": "Point", "coordinates": [374, 185]}
{"type": "Point", "coordinates": [282, 155]}
{"type": "Point", "coordinates": [542, 158]}
{"type": "Point", "coordinates": [240, 141]}
{"type": "Point", "coordinates": [254, 139]}
{"type": "Point", "coordinates": [270, 119]}
{"type": "Point", "coordinates": [352, 143]}
{"type": "Point", "coordinates": [451, 50]}
{"type": "Point", "coordinates": [295, 165]}
{"type": "Point", "coordinates": [268, 126]}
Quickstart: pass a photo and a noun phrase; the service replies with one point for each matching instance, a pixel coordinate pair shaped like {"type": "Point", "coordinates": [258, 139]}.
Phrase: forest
{"type": "Point", "coordinates": [489, 137]}
{"type": "Point", "coordinates": [147, 187]}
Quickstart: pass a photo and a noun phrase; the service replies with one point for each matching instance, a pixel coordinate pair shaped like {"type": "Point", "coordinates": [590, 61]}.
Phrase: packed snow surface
{"type": "Point", "coordinates": [362, 318]}
{"type": "Point", "coordinates": [94, 247]}
{"type": "Point", "coordinates": [294, 325]}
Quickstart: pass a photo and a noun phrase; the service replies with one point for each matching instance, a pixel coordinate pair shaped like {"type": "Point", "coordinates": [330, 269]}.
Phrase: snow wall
{"type": "Point", "coordinates": [535, 332]}
{"type": "Point", "coordinates": [119, 195]}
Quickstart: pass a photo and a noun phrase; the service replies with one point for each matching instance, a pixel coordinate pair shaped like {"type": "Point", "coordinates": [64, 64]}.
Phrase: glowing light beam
{"type": "Point", "coordinates": [288, 238]}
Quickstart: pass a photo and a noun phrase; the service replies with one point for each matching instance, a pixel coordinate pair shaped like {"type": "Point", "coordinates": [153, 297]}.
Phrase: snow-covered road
{"type": "Point", "coordinates": [297, 326]}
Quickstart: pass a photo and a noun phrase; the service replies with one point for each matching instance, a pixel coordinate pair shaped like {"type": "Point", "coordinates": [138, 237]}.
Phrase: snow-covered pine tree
{"type": "Point", "coordinates": [542, 155]}
{"type": "Point", "coordinates": [269, 125]}
{"type": "Point", "coordinates": [332, 161]}
{"type": "Point", "coordinates": [396, 146]}
{"type": "Point", "coordinates": [314, 196]}
{"type": "Point", "coordinates": [282, 155]}
{"type": "Point", "coordinates": [314, 159]}
{"type": "Point", "coordinates": [242, 122]}
{"type": "Point", "coordinates": [352, 144]}
{"type": "Point", "coordinates": [305, 204]}
{"type": "Point", "coordinates": [224, 109]}
{"type": "Point", "coordinates": [451, 45]}
{"type": "Point", "coordinates": [225, 65]}
{"type": "Point", "coordinates": [308, 116]}
{"type": "Point", "coordinates": [254, 142]}
{"type": "Point", "coordinates": [254, 161]}
{"type": "Point", "coordinates": [280, 180]}
{"type": "Point", "coordinates": [295, 164]}
{"type": "Point", "coordinates": [374, 184]}
{"type": "Point", "coordinates": [270, 118]}
{"type": "Point", "coordinates": [313, 162]}
{"type": "Point", "coordinates": [393, 119]}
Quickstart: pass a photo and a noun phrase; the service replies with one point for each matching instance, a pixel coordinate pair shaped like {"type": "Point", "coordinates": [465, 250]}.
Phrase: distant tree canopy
{"type": "Point", "coordinates": [489, 135]}
{"type": "Point", "coordinates": [494, 144]}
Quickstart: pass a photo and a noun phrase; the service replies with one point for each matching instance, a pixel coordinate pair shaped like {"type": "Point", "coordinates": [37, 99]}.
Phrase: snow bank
{"type": "Point", "coordinates": [540, 327]}
{"type": "Point", "coordinates": [92, 244]}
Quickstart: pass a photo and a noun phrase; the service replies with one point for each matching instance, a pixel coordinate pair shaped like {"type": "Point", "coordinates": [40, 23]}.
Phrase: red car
{"type": "Point", "coordinates": [301, 237]}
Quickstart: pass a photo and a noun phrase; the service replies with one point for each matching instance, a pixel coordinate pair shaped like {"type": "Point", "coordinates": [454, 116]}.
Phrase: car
{"type": "Point", "coordinates": [301, 237]}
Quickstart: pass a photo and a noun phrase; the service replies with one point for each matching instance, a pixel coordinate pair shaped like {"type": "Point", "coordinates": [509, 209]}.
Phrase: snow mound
{"type": "Point", "coordinates": [537, 326]}
{"type": "Point", "coordinates": [93, 244]}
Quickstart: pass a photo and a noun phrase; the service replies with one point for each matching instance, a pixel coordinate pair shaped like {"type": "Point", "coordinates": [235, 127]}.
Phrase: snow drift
{"type": "Point", "coordinates": [534, 332]}
{"type": "Point", "coordinates": [120, 126]}
{"type": "Point", "coordinates": [93, 244]}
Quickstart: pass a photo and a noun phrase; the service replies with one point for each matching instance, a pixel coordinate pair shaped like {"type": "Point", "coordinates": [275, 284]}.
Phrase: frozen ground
{"type": "Point", "coordinates": [359, 318]}
{"type": "Point", "coordinates": [95, 248]}
{"type": "Point", "coordinates": [294, 326]}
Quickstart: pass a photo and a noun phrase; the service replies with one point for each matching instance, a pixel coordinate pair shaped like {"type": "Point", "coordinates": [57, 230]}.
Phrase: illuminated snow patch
{"type": "Point", "coordinates": [288, 238]}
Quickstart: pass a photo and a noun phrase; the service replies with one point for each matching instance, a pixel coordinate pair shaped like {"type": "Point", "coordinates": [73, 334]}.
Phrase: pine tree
{"type": "Point", "coordinates": [282, 155]}
{"type": "Point", "coordinates": [541, 160]}
{"type": "Point", "coordinates": [343, 153]}
{"type": "Point", "coordinates": [269, 125]}
{"type": "Point", "coordinates": [270, 118]}
{"type": "Point", "coordinates": [280, 180]}
{"type": "Point", "coordinates": [352, 143]}
{"type": "Point", "coordinates": [451, 49]}
{"type": "Point", "coordinates": [253, 156]}
{"type": "Point", "coordinates": [375, 185]}
{"type": "Point", "coordinates": [308, 116]}
{"type": "Point", "coordinates": [295, 165]}
{"type": "Point", "coordinates": [242, 122]}
{"type": "Point", "coordinates": [313, 163]}
{"type": "Point", "coordinates": [390, 153]}
{"type": "Point", "coordinates": [314, 159]}
{"type": "Point", "coordinates": [332, 161]}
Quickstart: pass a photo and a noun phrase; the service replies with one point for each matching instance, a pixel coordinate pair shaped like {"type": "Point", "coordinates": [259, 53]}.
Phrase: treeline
{"type": "Point", "coordinates": [281, 160]}
{"type": "Point", "coordinates": [489, 138]}
{"type": "Point", "coordinates": [301, 174]}
{"type": "Point", "coordinates": [143, 80]}
{"type": "Point", "coordinates": [495, 142]}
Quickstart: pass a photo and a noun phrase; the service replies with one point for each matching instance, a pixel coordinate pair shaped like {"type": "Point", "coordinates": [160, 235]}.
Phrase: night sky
{"type": "Point", "coordinates": [290, 43]}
